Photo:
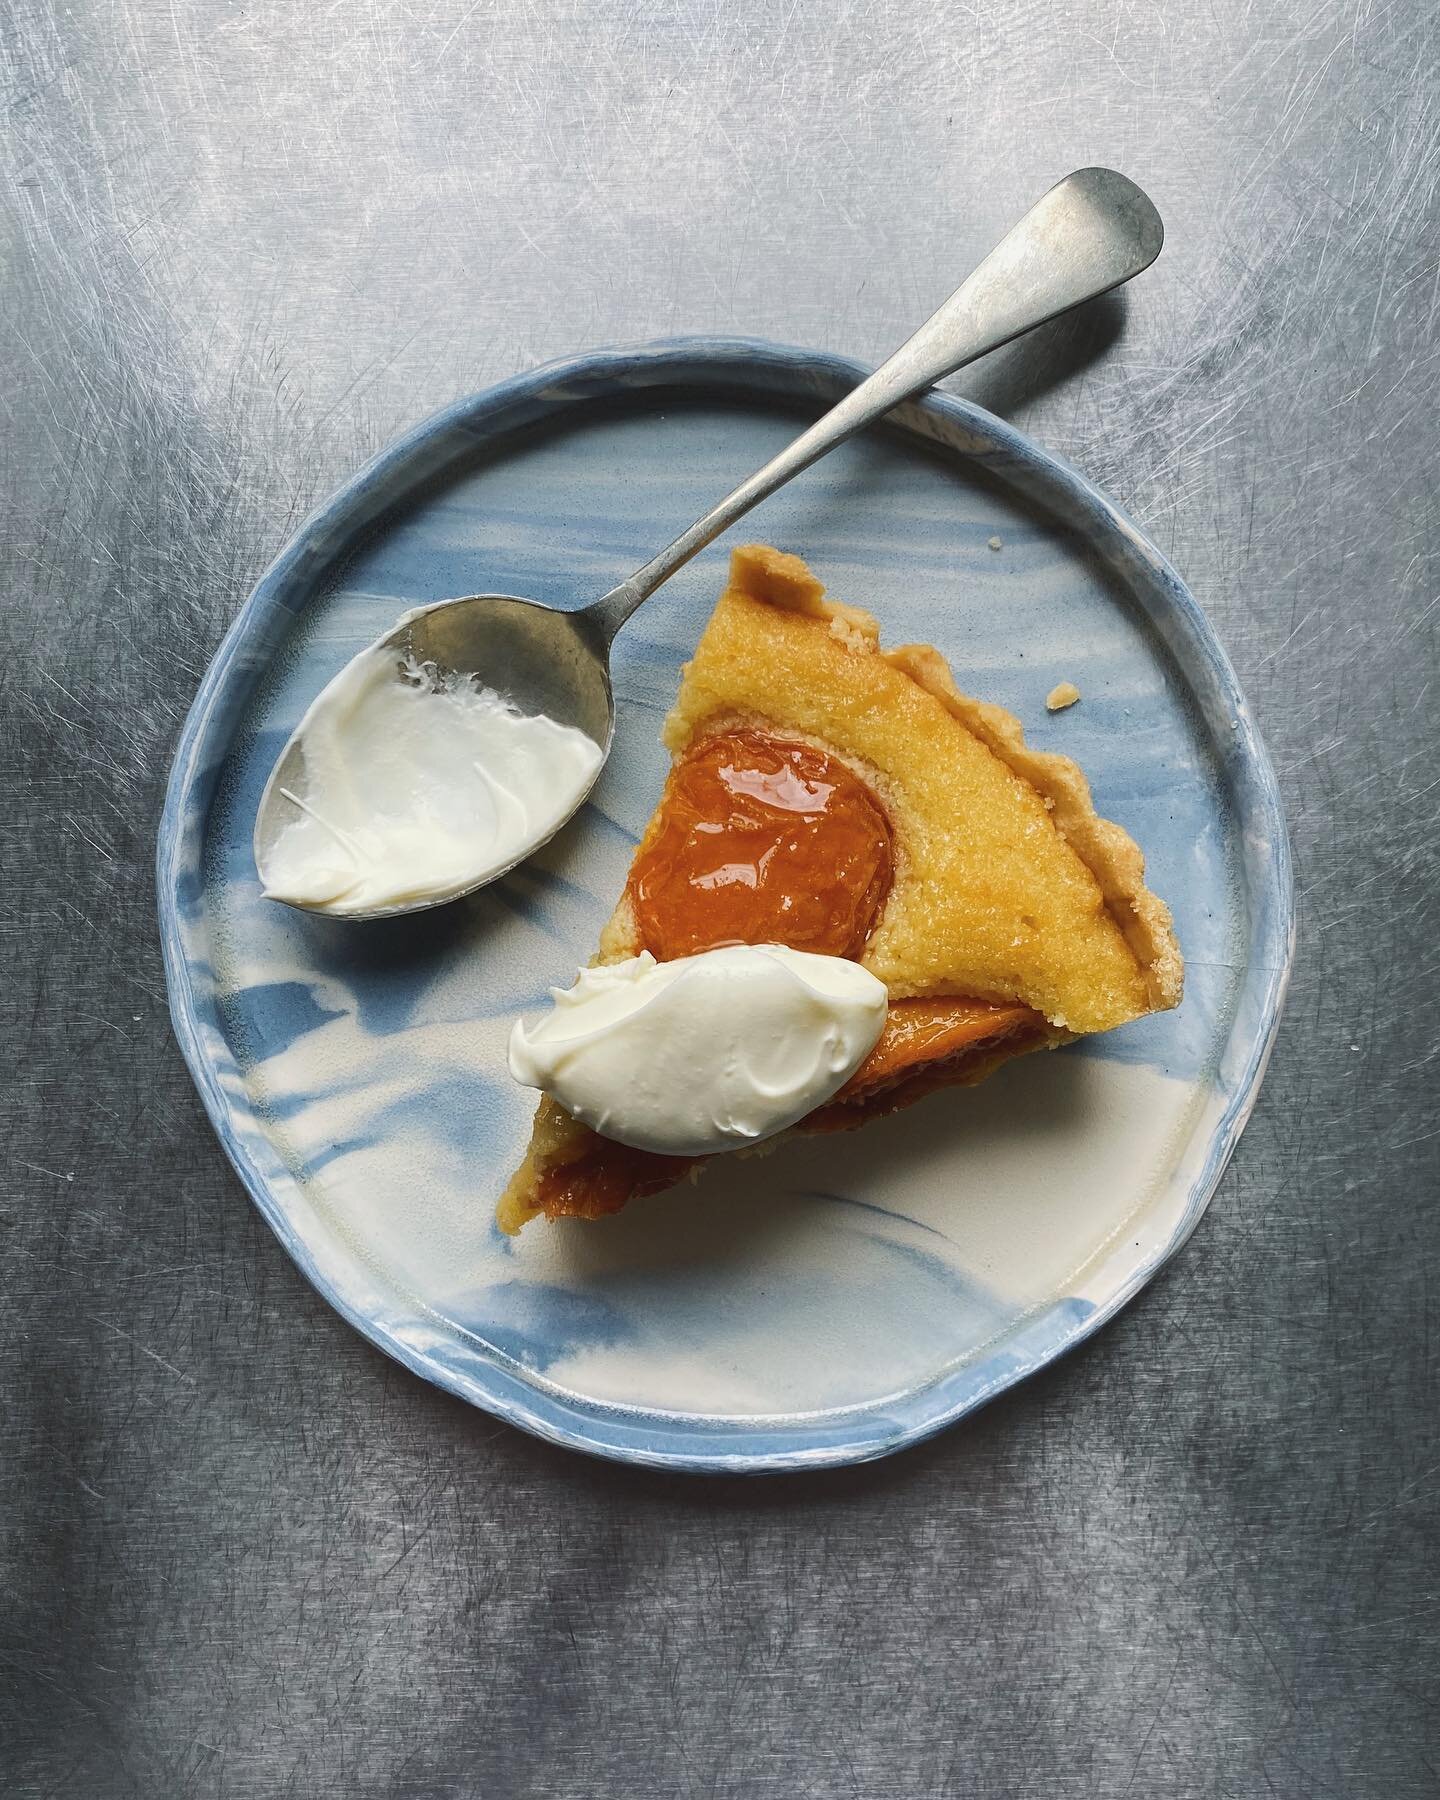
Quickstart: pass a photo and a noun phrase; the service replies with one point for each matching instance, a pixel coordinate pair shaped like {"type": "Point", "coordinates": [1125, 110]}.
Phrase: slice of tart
{"type": "Point", "coordinates": [834, 797]}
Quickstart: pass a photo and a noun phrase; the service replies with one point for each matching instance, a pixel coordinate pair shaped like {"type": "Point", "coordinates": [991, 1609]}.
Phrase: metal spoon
{"type": "Point", "coordinates": [1090, 233]}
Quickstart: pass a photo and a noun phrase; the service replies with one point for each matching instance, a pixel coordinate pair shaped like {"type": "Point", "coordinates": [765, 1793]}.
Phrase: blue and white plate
{"type": "Point", "coordinates": [838, 1298]}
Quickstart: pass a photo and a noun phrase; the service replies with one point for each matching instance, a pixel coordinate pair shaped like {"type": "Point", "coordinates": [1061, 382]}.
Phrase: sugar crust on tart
{"type": "Point", "coordinates": [1009, 893]}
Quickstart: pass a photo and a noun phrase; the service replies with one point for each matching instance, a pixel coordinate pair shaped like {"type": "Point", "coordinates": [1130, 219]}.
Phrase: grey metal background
{"type": "Point", "coordinates": [240, 1553]}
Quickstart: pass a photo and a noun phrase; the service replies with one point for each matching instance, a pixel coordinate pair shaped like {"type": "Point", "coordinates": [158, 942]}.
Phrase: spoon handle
{"type": "Point", "coordinates": [1092, 231]}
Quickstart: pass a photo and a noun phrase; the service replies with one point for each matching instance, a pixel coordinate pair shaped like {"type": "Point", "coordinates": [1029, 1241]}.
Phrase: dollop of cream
{"type": "Point", "coordinates": [706, 1053]}
{"type": "Point", "coordinates": [417, 789]}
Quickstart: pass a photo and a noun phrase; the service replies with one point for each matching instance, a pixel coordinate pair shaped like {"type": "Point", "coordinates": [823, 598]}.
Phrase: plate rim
{"type": "Point", "coordinates": [744, 360]}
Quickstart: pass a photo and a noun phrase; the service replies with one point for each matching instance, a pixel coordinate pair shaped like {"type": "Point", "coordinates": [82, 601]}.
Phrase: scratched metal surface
{"type": "Point", "coordinates": [241, 1553]}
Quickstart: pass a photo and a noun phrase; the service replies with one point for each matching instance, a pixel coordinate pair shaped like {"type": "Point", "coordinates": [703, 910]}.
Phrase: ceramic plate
{"type": "Point", "coordinates": [842, 1297]}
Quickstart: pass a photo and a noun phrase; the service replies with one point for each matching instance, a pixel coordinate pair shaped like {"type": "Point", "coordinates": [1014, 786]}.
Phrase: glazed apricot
{"type": "Point", "coordinates": [603, 1178]}
{"type": "Point", "coordinates": [923, 1033]}
{"type": "Point", "coordinates": [762, 840]}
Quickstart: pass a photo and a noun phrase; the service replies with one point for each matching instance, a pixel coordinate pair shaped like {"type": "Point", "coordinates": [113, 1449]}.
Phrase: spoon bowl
{"type": "Point", "coordinates": [542, 663]}
{"type": "Point", "coordinates": [1091, 232]}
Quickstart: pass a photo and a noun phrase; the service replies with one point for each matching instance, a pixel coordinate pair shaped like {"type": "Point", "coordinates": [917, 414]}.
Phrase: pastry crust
{"type": "Point", "coordinates": [1008, 886]}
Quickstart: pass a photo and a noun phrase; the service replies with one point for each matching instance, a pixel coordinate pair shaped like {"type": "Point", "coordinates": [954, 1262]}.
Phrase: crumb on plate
{"type": "Point", "coordinates": [1066, 694]}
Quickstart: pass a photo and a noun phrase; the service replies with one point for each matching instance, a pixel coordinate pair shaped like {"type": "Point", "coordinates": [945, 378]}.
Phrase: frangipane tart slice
{"type": "Point", "coordinates": [830, 795]}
